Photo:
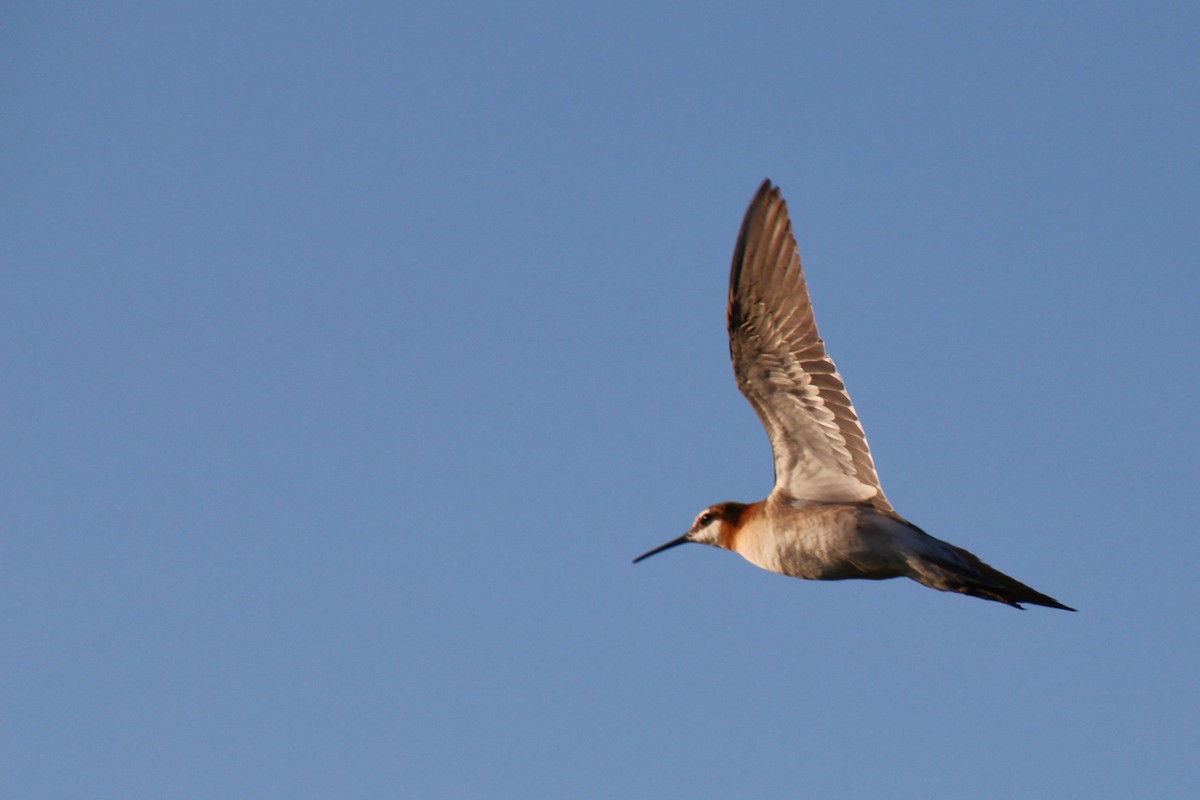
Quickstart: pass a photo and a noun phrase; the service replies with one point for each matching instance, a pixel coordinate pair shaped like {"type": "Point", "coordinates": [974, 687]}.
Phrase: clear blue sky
{"type": "Point", "coordinates": [350, 353]}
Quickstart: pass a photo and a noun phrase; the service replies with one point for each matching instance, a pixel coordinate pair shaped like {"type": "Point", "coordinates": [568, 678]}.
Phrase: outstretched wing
{"type": "Point", "coordinates": [782, 368]}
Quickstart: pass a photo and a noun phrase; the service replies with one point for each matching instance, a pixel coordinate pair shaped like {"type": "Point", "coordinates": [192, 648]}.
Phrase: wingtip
{"type": "Point", "coordinates": [766, 187]}
{"type": "Point", "coordinates": [1044, 600]}
{"type": "Point", "coordinates": [767, 197]}
{"type": "Point", "coordinates": [1052, 604]}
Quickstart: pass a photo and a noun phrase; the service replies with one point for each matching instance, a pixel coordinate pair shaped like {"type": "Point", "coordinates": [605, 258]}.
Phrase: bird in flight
{"type": "Point", "coordinates": [827, 518]}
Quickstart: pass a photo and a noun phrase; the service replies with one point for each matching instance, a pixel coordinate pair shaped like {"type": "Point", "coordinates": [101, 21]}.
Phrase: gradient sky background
{"type": "Point", "coordinates": [351, 352]}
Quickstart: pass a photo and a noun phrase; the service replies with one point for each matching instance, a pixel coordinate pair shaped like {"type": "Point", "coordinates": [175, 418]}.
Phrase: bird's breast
{"type": "Point", "coordinates": [818, 542]}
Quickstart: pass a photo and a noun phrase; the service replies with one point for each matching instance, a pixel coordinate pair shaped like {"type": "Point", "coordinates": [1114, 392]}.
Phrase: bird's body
{"type": "Point", "coordinates": [820, 541]}
{"type": "Point", "coordinates": [827, 517]}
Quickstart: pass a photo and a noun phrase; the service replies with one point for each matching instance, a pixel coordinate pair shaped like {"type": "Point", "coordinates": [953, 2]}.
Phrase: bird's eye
{"type": "Point", "coordinates": [706, 518]}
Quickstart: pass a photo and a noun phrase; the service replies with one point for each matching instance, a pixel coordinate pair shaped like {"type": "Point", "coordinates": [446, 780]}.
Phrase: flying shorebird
{"type": "Point", "coordinates": [827, 518]}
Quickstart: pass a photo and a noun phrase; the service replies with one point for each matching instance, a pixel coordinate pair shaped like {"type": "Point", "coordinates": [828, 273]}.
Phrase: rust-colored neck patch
{"type": "Point", "coordinates": [736, 516]}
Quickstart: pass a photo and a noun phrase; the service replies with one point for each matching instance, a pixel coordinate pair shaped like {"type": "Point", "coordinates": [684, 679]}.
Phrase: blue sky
{"type": "Point", "coordinates": [352, 352]}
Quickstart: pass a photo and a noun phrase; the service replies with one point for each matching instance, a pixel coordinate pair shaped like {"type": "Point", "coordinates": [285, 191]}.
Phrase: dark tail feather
{"type": "Point", "coordinates": [992, 584]}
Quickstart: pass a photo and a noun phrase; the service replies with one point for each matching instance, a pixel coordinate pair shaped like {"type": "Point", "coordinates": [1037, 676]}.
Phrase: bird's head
{"type": "Point", "coordinates": [714, 526]}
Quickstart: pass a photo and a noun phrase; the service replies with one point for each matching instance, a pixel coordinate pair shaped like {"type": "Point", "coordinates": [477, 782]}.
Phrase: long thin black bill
{"type": "Point", "coordinates": [673, 543]}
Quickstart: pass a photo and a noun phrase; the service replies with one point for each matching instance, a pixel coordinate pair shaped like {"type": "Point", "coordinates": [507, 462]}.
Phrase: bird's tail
{"type": "Point", "coordinates": [970, 575]}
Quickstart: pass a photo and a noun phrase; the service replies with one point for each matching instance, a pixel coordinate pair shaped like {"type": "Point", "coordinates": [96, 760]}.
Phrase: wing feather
{"type": "Point", "coordinates": [782, 368]}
